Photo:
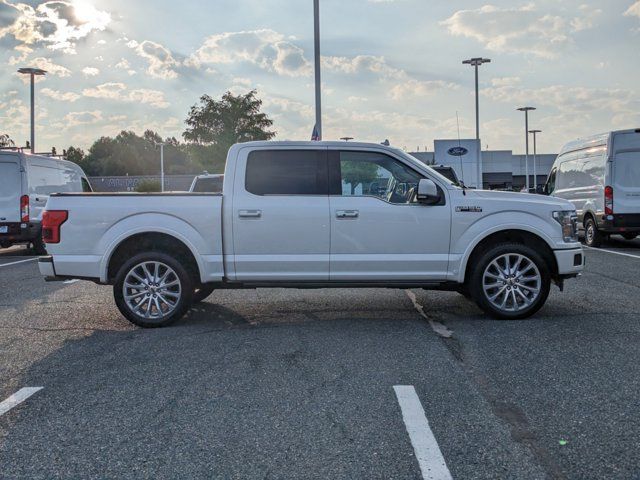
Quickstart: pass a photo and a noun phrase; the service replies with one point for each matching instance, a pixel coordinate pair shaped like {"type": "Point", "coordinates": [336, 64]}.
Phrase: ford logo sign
{"type": "Point", "coordinates": [457, 151]}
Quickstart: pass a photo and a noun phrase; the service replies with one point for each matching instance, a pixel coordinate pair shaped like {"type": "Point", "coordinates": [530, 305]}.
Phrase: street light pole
{"type": "Point", "coordinates": [526, 111]}
{"type": "Point", "coordinates": [161, 145]}
{"type": "Point", "coordinates": [535, 157]}
{"type": "Point", "coordinates": [475, 63]}
{"type": "Point", "coordinates": [32, 72]}
{"type": "Point", "coordinates": [318, 82]}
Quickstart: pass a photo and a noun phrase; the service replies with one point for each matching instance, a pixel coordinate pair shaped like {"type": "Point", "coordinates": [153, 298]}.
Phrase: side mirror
{"type": "Point", "coordinates": [541, 189]}
{"type": "Point", "coordinates": [427, 192]}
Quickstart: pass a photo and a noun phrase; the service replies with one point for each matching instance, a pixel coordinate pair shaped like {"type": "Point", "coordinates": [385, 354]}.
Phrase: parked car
{"type": "Point", "coordinates": [290, 215]}
{"type": "Point", "coordinates": [26, 181]}
{"type": "Point", "coordinates": [600, 176]}
{"type": "Point", "coordinates": [207, 182]}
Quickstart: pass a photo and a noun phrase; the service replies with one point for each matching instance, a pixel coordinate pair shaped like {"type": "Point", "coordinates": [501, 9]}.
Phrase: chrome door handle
{"type": "Point", "coordinates": [250, 213]}
{"type": "Point", "coordinates": [347, 213]}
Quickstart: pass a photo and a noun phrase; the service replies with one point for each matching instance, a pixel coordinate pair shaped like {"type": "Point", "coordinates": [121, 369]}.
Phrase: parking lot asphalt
{"type": "Point", "coordinates": [278, 383]}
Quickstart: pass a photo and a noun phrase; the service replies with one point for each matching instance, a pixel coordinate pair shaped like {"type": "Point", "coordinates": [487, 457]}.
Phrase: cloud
{"type": "Point", "coordinates": [119, 92]}
{"type": "Point", "coordinates": [505, 81]}
{"type": "Point", "coordinates": [124, 64]}
{"type": "Point", "coordinates": [402, 84]}
{"type": "Point", "coordinates": [519, 29]}
{"type": "Point", "coordinates": [265, 48]}
{"type": "Point", "coordinates": [50, 67]}
{"type": "Point", "coordinates": [633, 10]}
{"type": "Point", "coordinates": [161, 62]}
{"type": "Point", "coordinates": [90, 71]}
{"type": "Point", "coordinates": [58, 24]}
{"type": "Point", "coordinates": [562, 97]}
{"type": "Point", "coordinates": [62, 96]}
{"type": "Point", "coordinates": [74, 119]}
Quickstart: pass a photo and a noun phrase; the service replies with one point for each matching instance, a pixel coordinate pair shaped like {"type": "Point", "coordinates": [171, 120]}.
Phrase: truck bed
{"type": "Point", "coordinates": [99, 222]}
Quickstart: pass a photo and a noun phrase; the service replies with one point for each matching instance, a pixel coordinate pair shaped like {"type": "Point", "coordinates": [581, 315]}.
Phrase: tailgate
{"type": "Point", "coordinates": [10, 190]}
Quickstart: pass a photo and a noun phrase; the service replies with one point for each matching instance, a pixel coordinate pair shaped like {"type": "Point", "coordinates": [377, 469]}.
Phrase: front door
{"type": "Point", "coordinates": [281, 216]}
{"type": "Point", "coordinates": [378, 230]}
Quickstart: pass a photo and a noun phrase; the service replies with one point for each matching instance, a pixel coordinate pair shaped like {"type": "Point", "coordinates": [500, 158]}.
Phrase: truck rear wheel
{"type": "Point", "coordinates": [153, 290]}
{"type": "Point", "coordinates": [510, 281]}
{"type": "Point", "coordinates": [592, 236]}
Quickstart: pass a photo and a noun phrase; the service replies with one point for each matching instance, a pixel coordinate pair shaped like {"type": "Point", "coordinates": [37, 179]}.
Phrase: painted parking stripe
{"type": "Point", "coordinates": [17, 398]}
{"type": "Point", "coordinates": [612, 251]}
{"type": "Point", "coordinates": [425, 446]}
{"type": "Point", "coordinates": [20, 261]}
{"type": "Point", "coordinates": [69, 282]}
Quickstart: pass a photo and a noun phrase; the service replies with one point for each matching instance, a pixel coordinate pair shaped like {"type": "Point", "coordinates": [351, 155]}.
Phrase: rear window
{"type": "Point", "coordinates": [208, 185]}
{"type": "Point", "coordinates": [627, 169]}
{"type": "Point", "coordinates": [286, 172]}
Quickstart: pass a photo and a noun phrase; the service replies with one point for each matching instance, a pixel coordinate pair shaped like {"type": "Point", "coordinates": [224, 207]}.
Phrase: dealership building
{"type": "Point", "coordinates": [501, 169]}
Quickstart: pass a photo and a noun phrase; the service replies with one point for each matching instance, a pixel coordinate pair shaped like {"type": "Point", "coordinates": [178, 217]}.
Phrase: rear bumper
{"type": "Point", "coordinates": [570, 262]}
{"type": "Point", "coordinates": [620, 223]}
{"type": "Point", "coordinates": [19, 232]}
{"type": "Point", "coordinates": [65, 267]}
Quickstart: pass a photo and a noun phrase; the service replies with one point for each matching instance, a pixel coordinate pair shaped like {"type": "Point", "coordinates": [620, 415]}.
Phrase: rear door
{"type": "Point", "coordinates": [281, 215]}
{"type": "Point", "coordinates": [626, 172]}
{"type": "Point", "coordinates": [10, 189]}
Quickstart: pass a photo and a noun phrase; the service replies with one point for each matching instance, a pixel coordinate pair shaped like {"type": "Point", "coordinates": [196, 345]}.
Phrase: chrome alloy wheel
{"type": "Point", "coordinates": [511, 282]}
{"type": "Point", "coordinates": [590, 234]}
{"type": "Point", "coordinates": [151, 290]}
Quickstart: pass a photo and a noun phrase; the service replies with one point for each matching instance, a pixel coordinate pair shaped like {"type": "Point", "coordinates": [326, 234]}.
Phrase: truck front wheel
{"type": "Point", "coordinates": [510, 281]}
{"type": "Point", "coordinates": [153, 289]}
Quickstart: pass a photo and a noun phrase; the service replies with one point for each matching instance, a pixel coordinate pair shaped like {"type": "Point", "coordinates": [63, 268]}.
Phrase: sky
{"type": "Point", "coordinates": [391, 69]}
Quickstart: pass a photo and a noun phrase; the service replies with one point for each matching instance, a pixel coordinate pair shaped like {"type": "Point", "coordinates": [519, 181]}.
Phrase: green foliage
{"type": "Point", "coordinates": [212, 127]}
{"type": "Point", "coordinates": [5, 141]}
{"type": "Point", "coordinates": [356, 173]}
{"type": "Point", "coordinates": [146, 186]}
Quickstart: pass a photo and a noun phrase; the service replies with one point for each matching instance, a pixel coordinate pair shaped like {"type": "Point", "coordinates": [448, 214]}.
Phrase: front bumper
{"type": "Point", "coordinates": [570, 262]}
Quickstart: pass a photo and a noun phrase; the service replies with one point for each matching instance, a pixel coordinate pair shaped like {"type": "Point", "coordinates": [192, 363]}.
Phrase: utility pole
{"type": "Point", "coordinates": [318, 81]}
{"type": "Point", "coordinates": [475, 63]}
{"type": "Point", "coordinates": [32, 72]}
{"type": "Point", "coordinates": [535, 158]}
{"type": "Point", "coordinates": [526, 111]}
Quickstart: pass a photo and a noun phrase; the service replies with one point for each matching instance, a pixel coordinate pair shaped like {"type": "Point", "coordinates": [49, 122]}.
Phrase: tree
{"type": "Point", "coordinates": [5, 141]}
{"type": "Point", "coordinates": [356, 173]}
{"type": "Point", "coordinates": [214, 125]}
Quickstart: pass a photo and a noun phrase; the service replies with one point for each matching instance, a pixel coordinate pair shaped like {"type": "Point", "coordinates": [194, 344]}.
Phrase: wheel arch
{"type": "Point", "coordinates": [150, 241]}
{"type": "Point", "coordinates": [514, 235]}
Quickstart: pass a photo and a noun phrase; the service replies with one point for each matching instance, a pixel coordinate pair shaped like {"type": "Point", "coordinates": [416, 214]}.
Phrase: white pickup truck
{"type": "Point", "coordinates": [314, 215]}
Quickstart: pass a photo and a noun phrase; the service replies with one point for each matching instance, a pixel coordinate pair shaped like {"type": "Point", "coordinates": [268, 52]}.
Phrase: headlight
{"type": "Point", "coordinates": [568, 220]}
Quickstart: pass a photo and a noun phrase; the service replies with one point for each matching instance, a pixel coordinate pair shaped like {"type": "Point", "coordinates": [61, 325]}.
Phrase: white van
{"type": "Point", "coordinates": [600, 175]}
{"type": "Point", "coordinates": [26, 181]}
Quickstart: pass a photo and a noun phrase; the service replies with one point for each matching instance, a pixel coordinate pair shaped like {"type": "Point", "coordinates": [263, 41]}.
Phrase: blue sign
{"type": "Point", "coordinates": [457, 151]}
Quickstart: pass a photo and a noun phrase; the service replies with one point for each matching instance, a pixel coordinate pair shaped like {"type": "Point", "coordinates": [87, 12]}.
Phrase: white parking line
{"type": "Point", "coordinates": [611, 251]}
{"type": "Point", "coordinates": [425, 446]}
{"type": "Point", "coordinates": [17, 398]}
{"type": "Point", "coordinates": [69, 282]}
{"type": "Point", "coordinates": [20, 261]}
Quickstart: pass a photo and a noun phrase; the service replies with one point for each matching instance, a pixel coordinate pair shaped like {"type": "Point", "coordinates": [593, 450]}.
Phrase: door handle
{"type": "Point", "coordinates": [250, 213]}
{"type": "Point", "coordinates": [347, 213]}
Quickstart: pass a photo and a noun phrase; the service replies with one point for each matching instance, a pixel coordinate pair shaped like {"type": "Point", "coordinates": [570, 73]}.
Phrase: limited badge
{"type": "Point", "coordinates": [469, 209]}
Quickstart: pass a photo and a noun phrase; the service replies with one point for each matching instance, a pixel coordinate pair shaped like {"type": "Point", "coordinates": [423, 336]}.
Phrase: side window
{"type": "Point", "coordinates": [43, 180]}
{"type": "Point", "coordinates": [569, 174]}
{"type": "Point", "coordinates": [593, 169]}
{"type": "Point", "coordinates": [86, 186]}
{"type": "Point", "coordinates": [551, 182]}
{"type": "Point", "coordinates": [287, 172]}
{"type": "Point", "coordinates": [377, 175]}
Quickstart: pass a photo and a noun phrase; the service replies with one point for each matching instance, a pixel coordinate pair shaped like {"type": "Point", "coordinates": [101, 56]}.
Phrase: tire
{"type": "Point", "coordinates": [629, 235]}
{"type": "Point", "coordinates": [528, 293]}
{"type": "Point", "coordinates": [592, 236]}
{"type": "Point", "coordinates": [173, 299]}
{"type": "Point", "coordinates": [39, 247]}
{"type": "Point", "coordinates": [202, 291]}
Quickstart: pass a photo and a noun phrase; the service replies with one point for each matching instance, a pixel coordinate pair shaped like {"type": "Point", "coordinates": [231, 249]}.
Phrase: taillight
{"type": "Point", "coordinates": [51, 222]}
{"type": "Point", "coordinates": [24, 208]}
{"type": "Point", "coordinates": [608, 200]}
